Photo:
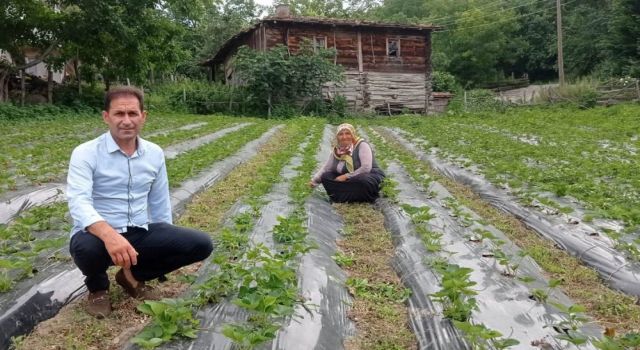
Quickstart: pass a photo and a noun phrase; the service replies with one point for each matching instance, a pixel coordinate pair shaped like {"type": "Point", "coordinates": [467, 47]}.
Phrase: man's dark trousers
{"type": "Point", "coordinates": [161, 249]}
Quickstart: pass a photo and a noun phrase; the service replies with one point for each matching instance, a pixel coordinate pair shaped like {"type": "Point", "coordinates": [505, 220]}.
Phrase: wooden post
{"type": "Point", "coordinates": [560, 52]}
{"type": "Point", "coordinates": [23, 91]}
{"type": "Point", "coordinates": [428, 74]}
{"type": "Point", "coordinates": [184, 95]}
{"type": "Point", "coordinates": [638, 88]}
{"type": "Point", "coordinates": [465, 100]}
{"type": "Point", "coordinates": [360, 64]}
{"type": "Point", "coordinates": [49, 86]}
{"type": "Point", "coordinates": [335, 47]}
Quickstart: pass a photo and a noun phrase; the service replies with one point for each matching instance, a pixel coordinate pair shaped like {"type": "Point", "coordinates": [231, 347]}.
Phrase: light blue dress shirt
{"type": "Point", "coordinates": [105, 184]}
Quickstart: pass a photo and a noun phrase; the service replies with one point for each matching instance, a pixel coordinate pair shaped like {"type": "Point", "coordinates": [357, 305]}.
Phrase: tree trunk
{"type": "Point", "coordinates": [49, 86]}
{"type": "Point", "coordinates": [23, 89]}
{"type": "Point", "coordinates": [76, 68]}
{"type": "Point", "coordinates": [4, 82]}
{"type": "Point", "coordinates": [269, 106]}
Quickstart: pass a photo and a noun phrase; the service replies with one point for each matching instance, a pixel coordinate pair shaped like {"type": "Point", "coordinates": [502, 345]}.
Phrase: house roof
{"type": "Point", "coordinates": [230, 44]}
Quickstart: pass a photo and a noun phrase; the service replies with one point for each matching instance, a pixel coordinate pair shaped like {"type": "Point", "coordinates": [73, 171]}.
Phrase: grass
{"type": "Point", "coordinates": [206, 213]}
{"type": "Point", "coordinates": [46, 144]}
{"type": "Point", "coordinates": [382, 320]}
{"type": "Point", "coordinates": [190, 163]}
{"type": "Point", "coordinates": [23, 242]}
{"type": "Point", "coordinates": [610, 308]}
{"type": "Point", "coordinates": [589, 155]}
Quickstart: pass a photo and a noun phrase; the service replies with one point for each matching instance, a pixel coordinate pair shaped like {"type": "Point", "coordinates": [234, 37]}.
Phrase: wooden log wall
{"type": "Point", "coordinates": [386, 93]}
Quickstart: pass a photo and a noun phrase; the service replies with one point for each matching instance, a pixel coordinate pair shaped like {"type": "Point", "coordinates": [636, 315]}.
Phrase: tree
{"type": "Point", "coordinates": [26, 24]}
{"type": "Point", "coordinates": [277, 78]}
{"type": "Point", "coordinates": [116, 38]}
{"type": "Point", "coordinates": [624, 40]}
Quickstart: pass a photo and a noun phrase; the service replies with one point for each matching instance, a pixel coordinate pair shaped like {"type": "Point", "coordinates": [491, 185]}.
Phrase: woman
{"type": "Point", "coordinates": [350, 174]}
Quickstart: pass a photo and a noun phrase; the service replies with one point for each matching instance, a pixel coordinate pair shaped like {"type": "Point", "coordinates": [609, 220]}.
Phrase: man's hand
{"type": "Point", "coordinates": [312, 184]}
{"type": "Point", "coordinates": [121, 251]}
{"type": "Point", "coordinates": [342, 178]}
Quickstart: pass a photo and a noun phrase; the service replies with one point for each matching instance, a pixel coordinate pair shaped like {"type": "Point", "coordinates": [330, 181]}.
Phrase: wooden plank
{"type": "Point", "coordinates": [359, 52]}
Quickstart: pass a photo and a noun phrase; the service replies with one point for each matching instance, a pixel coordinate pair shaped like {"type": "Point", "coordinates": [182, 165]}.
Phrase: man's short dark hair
{"type": "Point", "coordinates": [122, 91]}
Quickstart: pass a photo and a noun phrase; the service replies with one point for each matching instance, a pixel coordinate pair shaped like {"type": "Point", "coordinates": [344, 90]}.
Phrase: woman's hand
{"type": "Point", "coordinates": [342, 178]}
{"type": "Point", "coordinates": [312, 184]}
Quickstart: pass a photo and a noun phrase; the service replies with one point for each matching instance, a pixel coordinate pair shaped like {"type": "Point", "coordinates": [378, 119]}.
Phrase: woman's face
{"type": "Point", "coordinates": [345, 138]}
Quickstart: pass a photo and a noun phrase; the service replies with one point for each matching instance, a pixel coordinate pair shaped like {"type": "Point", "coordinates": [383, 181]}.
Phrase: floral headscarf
{"type": "Point", "coordinates": [344, 152]}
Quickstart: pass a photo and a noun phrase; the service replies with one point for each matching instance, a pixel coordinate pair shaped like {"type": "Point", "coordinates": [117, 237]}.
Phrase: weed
{"type": "Point", "coordinates": [343, 260]}
{"type": "Point", "coordinates": [388, 188]}
{"type": "Point", "coordinates": [482, 338]}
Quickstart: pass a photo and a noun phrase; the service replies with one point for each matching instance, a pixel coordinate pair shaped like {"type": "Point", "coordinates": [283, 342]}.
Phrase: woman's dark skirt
{"type": "Point", "coordinates": [360, 188]}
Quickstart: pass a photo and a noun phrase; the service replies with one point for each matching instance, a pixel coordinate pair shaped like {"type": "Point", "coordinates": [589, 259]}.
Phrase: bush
{"type": "Point", "coordinates": [206, 98]}
{"type": "Point", "coordinates": [10, 111]}
{"type": "Point", "coordinates": [444, 82]}
{"type": "Point", "coordinates": [582, 93]}
{"type": "Point", "coordinates": [67, 95]}
{"type": "Point", "coordinates": [478, 100]}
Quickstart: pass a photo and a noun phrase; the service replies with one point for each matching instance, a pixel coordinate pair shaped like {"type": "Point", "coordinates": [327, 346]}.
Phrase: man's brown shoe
{"type": "Point", "coordinates": [141, 291]}
{"type": "Point", "coordinates": [98, 304]}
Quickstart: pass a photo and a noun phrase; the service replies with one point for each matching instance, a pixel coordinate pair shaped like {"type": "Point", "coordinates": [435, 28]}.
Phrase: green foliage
{"type": "Point", "coordinates": [475, 101]}
{"type": "Point", "coordinates": [582, 93]}
{"type": "Point", "coordinates": [277, 78]}
{"type": "Point", "coordinates": [456, 293]}
{"type": "Point", "coordinates": [380, 292]}
{"type": "Point", "coordinates": [569, 328]}
{"type": "Point", "coordinates": [444, 81]}
{"type": "Point", "coordinates": [343, 260]}
{"type": "Point", "coordinates": [171, 318]}
{"type": "Point", "coordinates": [388, 188]}
{"type": "Point", "coordinates": [250, 335]}
{"type": "Point", "coordinates": [43, 112]}
{"type": "Point", "coordinates": [628, 341]}
{"type": "Point", "coordinates": [207, 98]}
{"type": "Point", "coordinates": [67, 95]}
{"type": "Point", "coordinates": [482, 338]}
{"type": "Point", "coordinates": [22, 242]}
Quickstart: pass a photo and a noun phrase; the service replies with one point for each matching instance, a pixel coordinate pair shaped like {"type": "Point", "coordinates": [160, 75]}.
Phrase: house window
{"type": "Point", "coordinates": [319, 42]}
{"type": "Point", "coordinates": [393, 47]}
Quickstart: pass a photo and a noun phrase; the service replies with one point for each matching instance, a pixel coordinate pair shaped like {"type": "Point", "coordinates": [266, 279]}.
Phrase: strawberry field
{"type": "Point", "coordinates": [519, 230]}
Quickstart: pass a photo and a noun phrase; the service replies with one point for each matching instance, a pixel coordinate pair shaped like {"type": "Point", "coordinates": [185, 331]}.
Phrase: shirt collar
{"type": "Point", "coordinates": [112, 146]}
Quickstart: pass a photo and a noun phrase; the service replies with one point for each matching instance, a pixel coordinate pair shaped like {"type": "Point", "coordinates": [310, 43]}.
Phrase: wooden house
{"type": "Point", "coordinates": [387, 66]}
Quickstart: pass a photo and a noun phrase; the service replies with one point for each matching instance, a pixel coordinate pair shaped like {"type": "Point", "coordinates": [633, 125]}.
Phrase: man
{"type": "Point", "coordinates": [118, 195]}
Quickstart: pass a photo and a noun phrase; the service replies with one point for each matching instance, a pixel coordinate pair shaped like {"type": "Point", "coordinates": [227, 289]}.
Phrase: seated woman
{"type": "Point", "coordinates": [351, 173]}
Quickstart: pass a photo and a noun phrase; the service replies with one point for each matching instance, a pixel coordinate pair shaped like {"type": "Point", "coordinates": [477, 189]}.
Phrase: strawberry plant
{"type": "Point", "coordinates": [171, 318]}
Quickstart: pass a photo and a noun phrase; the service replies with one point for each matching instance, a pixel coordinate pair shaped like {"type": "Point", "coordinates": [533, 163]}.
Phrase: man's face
{"type": "Point", "coordinates": [125, 119]}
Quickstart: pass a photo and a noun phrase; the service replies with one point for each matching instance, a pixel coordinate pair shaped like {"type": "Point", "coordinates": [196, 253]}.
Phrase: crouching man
{"type": "Point", "coordinates": [118, 195]}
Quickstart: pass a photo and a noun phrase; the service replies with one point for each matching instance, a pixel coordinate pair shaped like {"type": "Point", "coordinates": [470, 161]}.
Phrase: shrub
{"type": "Point", "coordinates": [67, 95]}
{"type": "Point", "coordinates": [444, 82]}
{"type": "Point", "coordinates": [206, 98]}
{"type": "Point", "coordinates": [276, 77]}
{"type": "Point", "coordinates": [582, 93]}
{"type": "Point", "coordinates": [10, 111]}
{"type": "Point", "coordinates": [478, 100]}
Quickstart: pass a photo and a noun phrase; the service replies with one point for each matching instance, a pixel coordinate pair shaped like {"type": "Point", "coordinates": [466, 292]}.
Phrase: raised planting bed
{"type": "Point", "coordinates": [41, 297]}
